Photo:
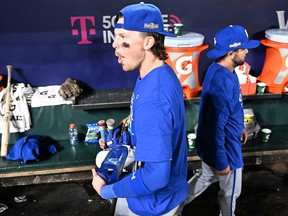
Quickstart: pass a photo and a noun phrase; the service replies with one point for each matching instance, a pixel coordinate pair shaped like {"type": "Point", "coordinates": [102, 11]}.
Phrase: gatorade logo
{"type": "Point", "coordinates": [184, 64]}
{"type": "Point", "coordinates": [284, 70]}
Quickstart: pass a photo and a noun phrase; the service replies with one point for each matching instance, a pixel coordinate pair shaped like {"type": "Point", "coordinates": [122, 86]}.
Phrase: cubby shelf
{"type": "Point", "coordinates": [116, 98]}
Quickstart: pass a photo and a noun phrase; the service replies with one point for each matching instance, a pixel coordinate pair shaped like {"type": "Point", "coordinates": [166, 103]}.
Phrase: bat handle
{"type": "Point", "coordinates": [5, 140]}
{"type": "Point", "coordinates": [110, 125]}
{"type": "Point", "coordinates": [6, 123]}
{"type": "Point", "coordinates": [102, 129]}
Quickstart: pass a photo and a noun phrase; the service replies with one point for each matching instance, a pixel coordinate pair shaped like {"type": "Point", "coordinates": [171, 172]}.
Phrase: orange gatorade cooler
{"type": "Point", "coordinates": [183, 56]}
{"type": "Point", "coordinates": [275, 69]}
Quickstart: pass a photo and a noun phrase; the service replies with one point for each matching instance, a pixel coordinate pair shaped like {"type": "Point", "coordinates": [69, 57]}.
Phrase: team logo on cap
{"type": "Point", "coordinates": [234, 45]}
{"type": "Point", "coordinates": [151, 26]}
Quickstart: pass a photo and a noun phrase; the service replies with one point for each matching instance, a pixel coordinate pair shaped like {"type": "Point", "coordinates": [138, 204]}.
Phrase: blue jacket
{"type": "Point", "coordinates": [221, 119]}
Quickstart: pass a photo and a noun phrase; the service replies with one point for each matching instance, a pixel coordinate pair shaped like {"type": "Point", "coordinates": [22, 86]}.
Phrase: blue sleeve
{"type": "Point", "coordinates": [221, 161]}
{"type": "Point", "coordinates": [224, 106]}
{"type": "Point", "coordinates": [144, 181]}
{"type": "Point", "coordinates": [154, 128]}
{"type": "Point", "coordinates": [107, 192]}
{"type": "Point", "coordinates": [219, 111]}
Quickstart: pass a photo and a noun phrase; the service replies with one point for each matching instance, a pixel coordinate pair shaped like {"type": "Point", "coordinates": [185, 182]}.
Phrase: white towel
{"type": "Point", "coordinates": [47, 96]}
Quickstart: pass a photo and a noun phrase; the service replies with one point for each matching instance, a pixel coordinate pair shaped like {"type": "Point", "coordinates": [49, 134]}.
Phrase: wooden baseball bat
{"type": "Point", "coordinates": [6, 120]}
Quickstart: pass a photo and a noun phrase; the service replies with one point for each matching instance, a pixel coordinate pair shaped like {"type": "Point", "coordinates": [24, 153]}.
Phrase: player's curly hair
{"type": "Point", "coordinates": [158, 49]}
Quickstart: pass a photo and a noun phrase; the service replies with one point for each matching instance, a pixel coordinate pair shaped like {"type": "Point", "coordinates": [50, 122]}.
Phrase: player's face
{"type": "Point", "coordinates": [129, 48]}
{"type": "Point", "coordinates": [239, 57]}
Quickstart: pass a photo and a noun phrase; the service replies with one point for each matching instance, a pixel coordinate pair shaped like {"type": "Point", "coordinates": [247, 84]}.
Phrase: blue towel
{"type": "Point", "coordinates": [32, 148]}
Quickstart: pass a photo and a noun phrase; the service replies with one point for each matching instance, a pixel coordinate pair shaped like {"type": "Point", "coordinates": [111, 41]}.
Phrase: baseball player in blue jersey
{"type": "Point", "coordinates": [221, 131]}
{"type": "Point", "coordinates": [157, 119]}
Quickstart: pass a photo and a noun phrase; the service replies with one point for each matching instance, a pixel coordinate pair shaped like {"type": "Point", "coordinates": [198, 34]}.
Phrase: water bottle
{"type": "Point", "coordinates": [73, 134]}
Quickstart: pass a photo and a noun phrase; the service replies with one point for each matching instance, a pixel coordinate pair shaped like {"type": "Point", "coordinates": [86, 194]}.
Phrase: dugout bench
{"type": "Point", "coordinates": [75, 163]}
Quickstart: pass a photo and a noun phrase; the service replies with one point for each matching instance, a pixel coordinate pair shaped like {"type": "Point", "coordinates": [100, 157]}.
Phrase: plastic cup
{"type": "Point", "coordinates": [242, 79]}
{"type": "Point", "coordinates": [191, 140]}
{"type": "Point", "coordinates": [178, 27]}
{"type": "Point", "coordinates": [265, 134]}
{"type": "Point", "coordinates": [261, 88]}
{"type": "Point", "coordinates": [252, 79]}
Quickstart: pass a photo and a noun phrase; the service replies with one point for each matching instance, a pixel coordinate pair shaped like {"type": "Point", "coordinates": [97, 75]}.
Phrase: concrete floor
{"type": "Point", "coordinates": [264, 193]}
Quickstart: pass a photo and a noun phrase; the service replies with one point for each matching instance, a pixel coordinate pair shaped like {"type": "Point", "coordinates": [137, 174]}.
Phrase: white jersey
{"type": "Point", "coordinates": [20, 120]}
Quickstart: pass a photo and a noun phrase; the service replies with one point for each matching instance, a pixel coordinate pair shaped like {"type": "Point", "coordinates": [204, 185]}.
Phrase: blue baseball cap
{"type": "Point", "coordinates": [229, 39]}
{"type": "Point", "coordinates": [143, 18]}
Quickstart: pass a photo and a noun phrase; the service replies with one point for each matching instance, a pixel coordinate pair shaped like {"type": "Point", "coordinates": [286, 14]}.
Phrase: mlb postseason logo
{"type": "Point", "coordinates": [109, 24]}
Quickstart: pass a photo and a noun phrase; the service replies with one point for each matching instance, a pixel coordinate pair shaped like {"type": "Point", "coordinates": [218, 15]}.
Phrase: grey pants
{"type": "Point", "coordinates": [230, 188]}
{"type": "Point", "coordinates": [123, 210]}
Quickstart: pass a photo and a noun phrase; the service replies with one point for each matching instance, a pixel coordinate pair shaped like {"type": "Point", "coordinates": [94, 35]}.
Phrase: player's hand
{"type": "Point", "coordinates": [224, 172]}
{"type": "Point", "coordinates": [97, 181]}
{"type": "Point", "coordinates": [102, 144]}
{"type": "Point", "coordinates": [244, 137]}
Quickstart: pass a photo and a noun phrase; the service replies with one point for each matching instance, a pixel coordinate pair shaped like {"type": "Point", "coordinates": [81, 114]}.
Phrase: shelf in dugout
{"type": "Point", "coordinates": [106, 98]}
{"type": "Point", "coordinates": [71, 164]}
